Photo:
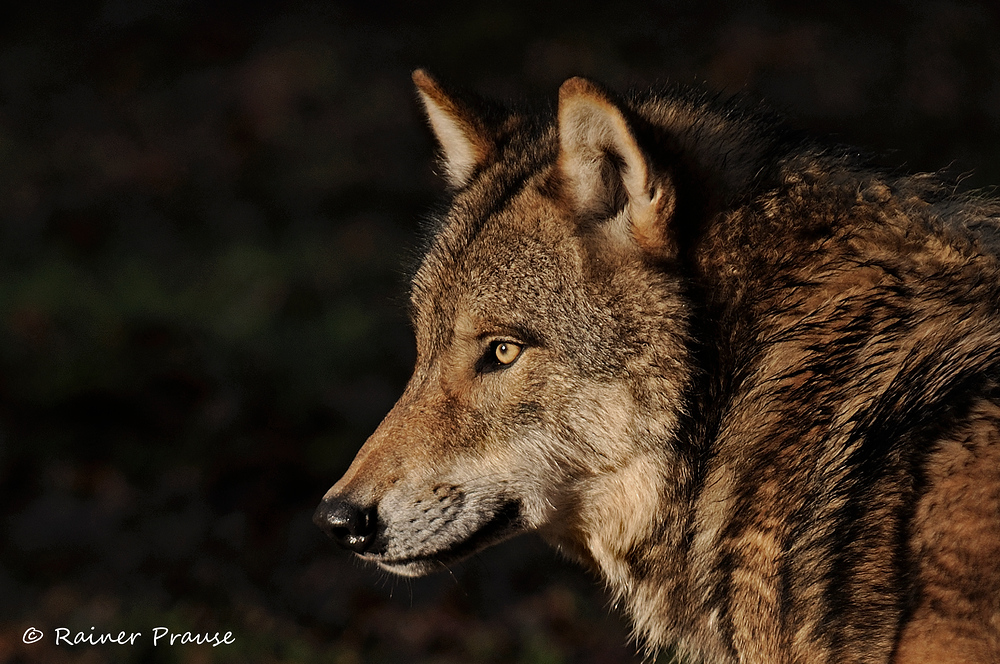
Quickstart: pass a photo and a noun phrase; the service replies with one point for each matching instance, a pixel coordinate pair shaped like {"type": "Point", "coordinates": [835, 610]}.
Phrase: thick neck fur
{"type": "Point", "coordinates": [707, 137]}
{"type": "Point", "coordinates": [773, 280]}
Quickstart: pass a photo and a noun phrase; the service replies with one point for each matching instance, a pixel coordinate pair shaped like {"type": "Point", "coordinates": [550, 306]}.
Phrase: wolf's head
{"type": "Point", "coordinates": [551, 344]}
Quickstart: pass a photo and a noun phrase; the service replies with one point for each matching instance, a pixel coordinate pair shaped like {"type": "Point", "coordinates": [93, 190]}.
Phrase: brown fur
{"type": "Point", "coordinates": [752, 381]}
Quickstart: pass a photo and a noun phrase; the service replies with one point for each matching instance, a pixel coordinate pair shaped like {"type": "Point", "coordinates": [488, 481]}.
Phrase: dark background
{"type": "Point", "coordinates": [206, 210]}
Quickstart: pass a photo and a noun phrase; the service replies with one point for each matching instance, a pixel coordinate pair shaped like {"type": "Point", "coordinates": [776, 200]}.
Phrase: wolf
{"type": "Point", "coordinates": [749, 378]}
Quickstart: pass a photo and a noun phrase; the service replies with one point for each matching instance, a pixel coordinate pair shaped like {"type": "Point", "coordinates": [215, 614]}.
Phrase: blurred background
{"type": "Point", "coordinates": [206, 214]}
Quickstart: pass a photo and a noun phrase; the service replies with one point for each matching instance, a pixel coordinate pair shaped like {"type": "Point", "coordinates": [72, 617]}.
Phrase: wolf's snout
{"type": "Point", "coordinates": [349, 525]}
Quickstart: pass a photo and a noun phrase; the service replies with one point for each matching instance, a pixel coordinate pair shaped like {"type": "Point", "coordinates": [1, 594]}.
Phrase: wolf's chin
{"type": "Point", "coordinates": [411, 569]}
{"type": "Point", "coordinates": [503, 525]}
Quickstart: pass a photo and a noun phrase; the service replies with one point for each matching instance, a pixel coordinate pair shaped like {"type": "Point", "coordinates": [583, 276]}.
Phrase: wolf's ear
{"type": "Point", "coordinates": [605, 170]}
{"type": "Point", "coordinates": [465, 141]}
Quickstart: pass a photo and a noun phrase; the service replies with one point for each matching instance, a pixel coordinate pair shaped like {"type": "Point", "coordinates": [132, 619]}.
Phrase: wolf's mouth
{"type": "Point", "coordinates": [504, 524]}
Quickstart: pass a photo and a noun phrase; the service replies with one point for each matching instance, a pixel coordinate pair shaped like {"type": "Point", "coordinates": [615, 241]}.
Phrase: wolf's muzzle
{"type": "Point", "coordinates": [349, 525]}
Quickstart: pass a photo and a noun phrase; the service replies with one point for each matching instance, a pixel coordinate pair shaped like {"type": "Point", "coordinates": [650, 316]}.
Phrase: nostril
{"type": "Point", "coordinates": [339, 534]}
{"type": "Point", "coordinates": [351, 526]}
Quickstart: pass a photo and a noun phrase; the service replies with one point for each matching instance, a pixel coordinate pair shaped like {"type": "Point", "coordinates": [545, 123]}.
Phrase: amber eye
{"type": "Point", "coordinates": [499, 355]}
{"type": "Point", "coordinates": [506, 352]}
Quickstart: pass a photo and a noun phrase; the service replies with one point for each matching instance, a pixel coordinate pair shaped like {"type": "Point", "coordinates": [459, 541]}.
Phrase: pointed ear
{"type": "Point", "coordinates": [605, 170]}
{"type": "Point", "coordinates": [464, 140]}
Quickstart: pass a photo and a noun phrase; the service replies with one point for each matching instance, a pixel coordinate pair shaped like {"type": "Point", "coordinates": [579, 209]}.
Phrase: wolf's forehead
{"type": "Point", "coordinates": [502, 259]}
{"type": "Point", "coordinates": [505, 263]}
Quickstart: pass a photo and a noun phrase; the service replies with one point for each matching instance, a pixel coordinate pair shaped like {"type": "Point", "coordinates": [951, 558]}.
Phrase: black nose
{"type": "Point", "coordinates": [349, 525]}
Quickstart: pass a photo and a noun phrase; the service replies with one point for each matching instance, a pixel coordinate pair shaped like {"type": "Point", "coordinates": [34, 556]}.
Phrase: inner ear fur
{"type": "Point", "coordinates": [460, 131]}
{"type": "Point", "coordinates": [606, 171]}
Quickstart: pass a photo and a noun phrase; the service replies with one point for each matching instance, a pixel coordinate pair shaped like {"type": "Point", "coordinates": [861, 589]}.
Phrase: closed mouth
{"type": "Point", "coordinates": [504, 524]}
